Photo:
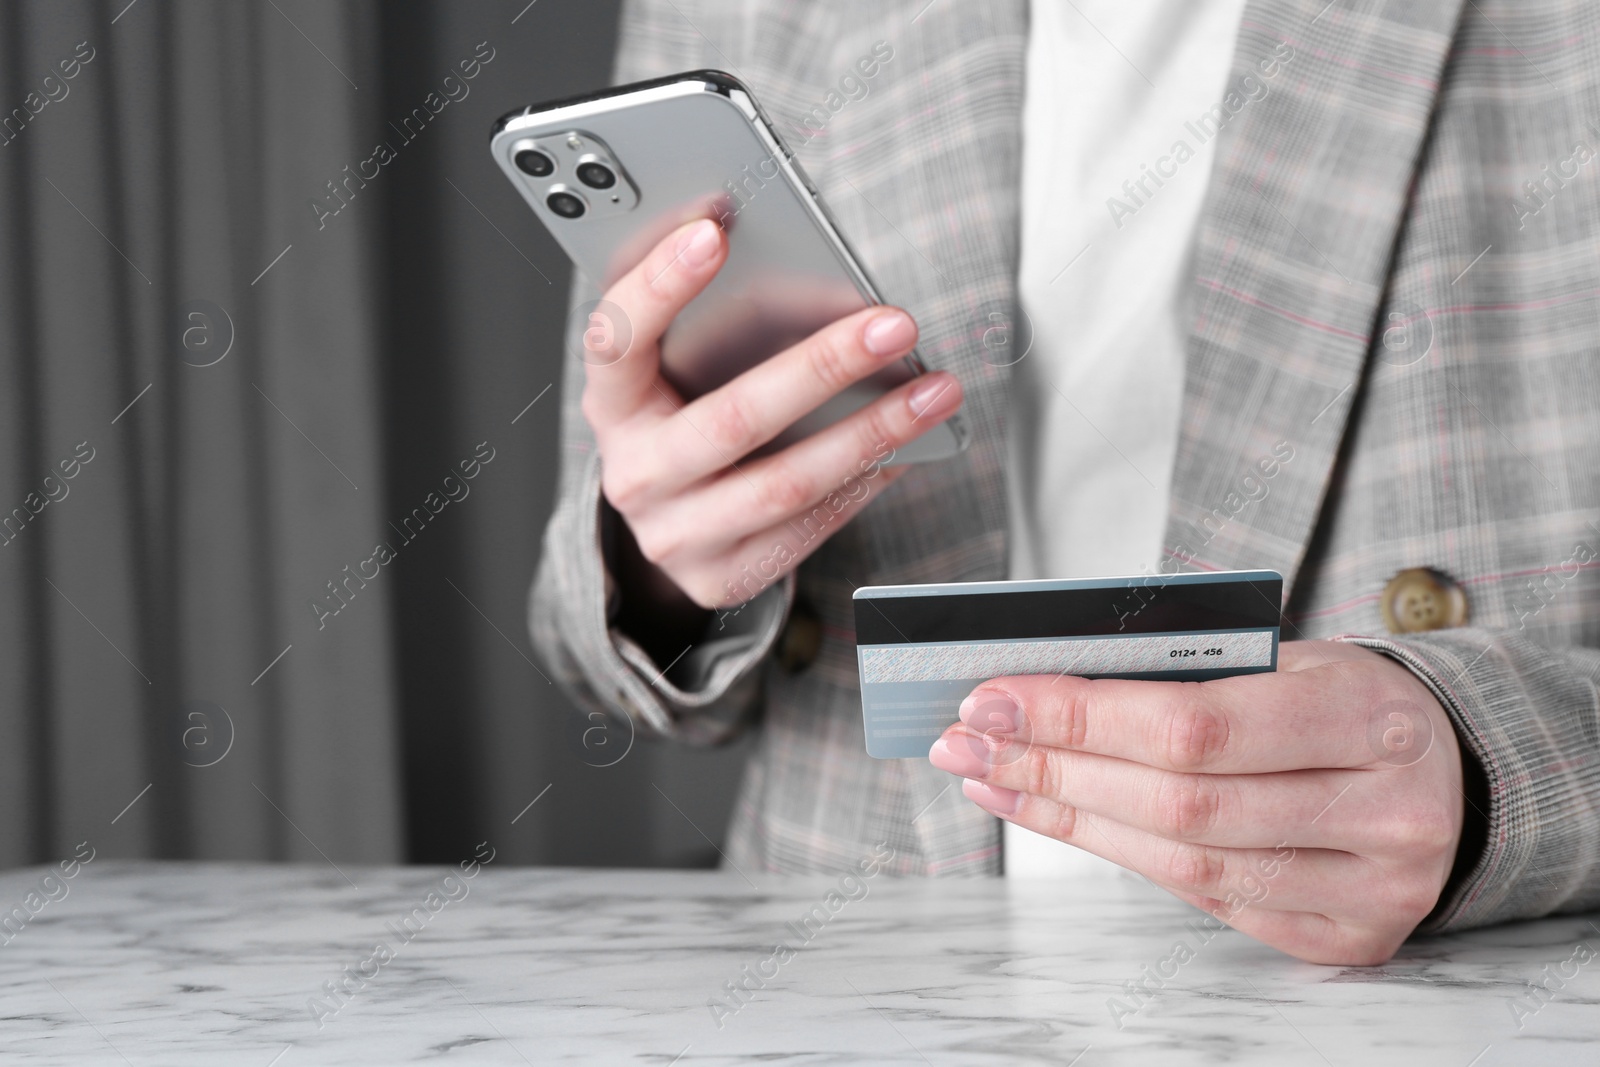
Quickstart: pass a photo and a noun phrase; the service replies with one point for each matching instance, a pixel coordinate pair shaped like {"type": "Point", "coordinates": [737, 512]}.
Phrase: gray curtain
{"type": "Point", "coordinates": [141, 604]}
{"type": "Point", "coordinates": [224, 381]}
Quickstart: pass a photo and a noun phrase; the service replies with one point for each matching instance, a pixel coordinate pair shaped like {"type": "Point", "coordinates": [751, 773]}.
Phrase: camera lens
{"type": "Point", "coordinates": [596, 175]}
{"type": "Point", "coordinates": [534, 162]}
{"type": "Point", "coordinates": [566, 205]}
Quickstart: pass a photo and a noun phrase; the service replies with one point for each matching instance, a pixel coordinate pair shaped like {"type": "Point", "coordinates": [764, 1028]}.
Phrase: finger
{"type": "Point", "coordinates": [1283, 721]}
{"type": "Point", "coordinates": [764, 557]}
{"type": "Point", "coordinates": [843, 460]}
{"type": "Point", "coordinates": [723, 426]}
{"type": "Point", "coordinates": [1282, 878]}
{"type": "Point", "coordinates": [1307, 809]}
{"type": "Point", "coordinates": [651, 295]}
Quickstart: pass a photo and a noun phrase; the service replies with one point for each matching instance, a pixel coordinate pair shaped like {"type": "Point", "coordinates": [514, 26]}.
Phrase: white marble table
{"type": "Point", "coordinates": [215, 964]}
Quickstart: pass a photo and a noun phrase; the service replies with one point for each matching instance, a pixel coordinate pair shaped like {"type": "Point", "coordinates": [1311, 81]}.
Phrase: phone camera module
{"type": "Point", "coordinates": [596, 175]}
{"type": "Point", "coordinates": [534, 162]}
{"type": "Point", "coordinates": [565, 204]}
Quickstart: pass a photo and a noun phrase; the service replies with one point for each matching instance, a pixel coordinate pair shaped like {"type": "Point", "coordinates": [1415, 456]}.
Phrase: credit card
{"type": "Point", "coordinates": [922, 648]}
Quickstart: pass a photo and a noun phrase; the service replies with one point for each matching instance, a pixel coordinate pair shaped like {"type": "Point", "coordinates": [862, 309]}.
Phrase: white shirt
{"type": "Point", "coordinates": [1104, 275]}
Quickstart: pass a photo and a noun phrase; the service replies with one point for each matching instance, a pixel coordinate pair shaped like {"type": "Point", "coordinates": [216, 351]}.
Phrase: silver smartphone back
{"type": "Point", "coordinates": [612, 173]}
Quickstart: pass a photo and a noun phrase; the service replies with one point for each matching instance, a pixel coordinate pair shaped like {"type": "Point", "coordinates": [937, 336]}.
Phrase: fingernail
{"type": "Point", "coordinates": [989, 712]}
{"type": "Point", "coordinates": [890, 333]}
{"type": "Point", "coordinates": [962, 758]}
{"type": "Point", "coordinates": [995, 798]}
{"type": "Point", "coordinates": [698, 244]}
{"type": "Point", "coordinates": [933, 390]}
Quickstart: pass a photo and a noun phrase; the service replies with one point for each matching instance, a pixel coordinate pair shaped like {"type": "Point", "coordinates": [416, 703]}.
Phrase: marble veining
{"type": "Point", "coordinates": [158, 963]}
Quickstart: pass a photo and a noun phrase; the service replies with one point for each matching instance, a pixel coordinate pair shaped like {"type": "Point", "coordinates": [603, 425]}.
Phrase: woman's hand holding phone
{"type": "Point", "coordinates": [701, 515]}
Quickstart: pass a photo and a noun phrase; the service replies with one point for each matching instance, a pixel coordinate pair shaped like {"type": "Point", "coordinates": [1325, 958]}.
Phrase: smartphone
{"type": "Point", "coordinates": [612, 173]}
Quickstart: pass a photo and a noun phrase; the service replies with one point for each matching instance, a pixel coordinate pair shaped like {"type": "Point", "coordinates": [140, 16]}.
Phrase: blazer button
{"type": "Point", "coordinates": [801, 638]}
{"type": "Point", "coordinates": [1420, 599]}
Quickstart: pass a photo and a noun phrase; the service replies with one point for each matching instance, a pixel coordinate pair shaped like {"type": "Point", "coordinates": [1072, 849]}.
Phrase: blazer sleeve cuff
{"type": "Point", "coordinates": [703, 697]}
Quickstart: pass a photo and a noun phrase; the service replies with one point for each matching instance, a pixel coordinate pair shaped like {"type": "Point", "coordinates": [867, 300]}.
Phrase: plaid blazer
{"type": "Point", "coordinates": [1398, 273]}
